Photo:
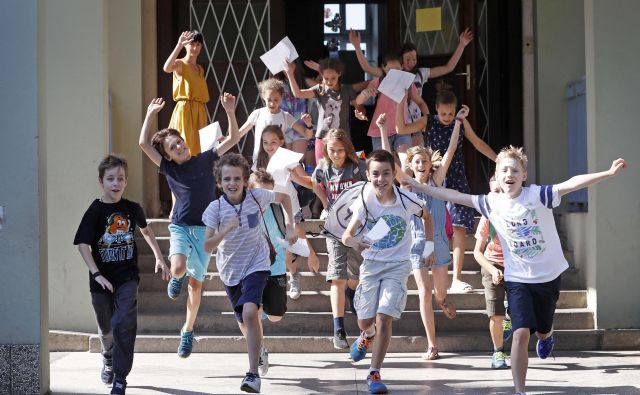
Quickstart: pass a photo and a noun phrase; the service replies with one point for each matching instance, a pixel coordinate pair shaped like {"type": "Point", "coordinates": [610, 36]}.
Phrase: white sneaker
{"type": "Point", "coordinates": [263, 364]}
{"type": "Point", "coordinates": [251, 383]}
{"type": "Point", "coordinates": [294, 286]}
{"type": "Point", "coordinates": [460, 287]}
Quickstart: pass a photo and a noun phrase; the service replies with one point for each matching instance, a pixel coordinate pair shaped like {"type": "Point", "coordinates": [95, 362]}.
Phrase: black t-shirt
{"type": "Point", "coordinates": [109, 228]}
{"type": "Point", "coordinates": [193, 185]}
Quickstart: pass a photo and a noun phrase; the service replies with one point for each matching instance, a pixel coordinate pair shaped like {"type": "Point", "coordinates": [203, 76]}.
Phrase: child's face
{"type": "Point", "coordinates": [336, 152]}
{"type": "Point", "coordinates": [446, 113]}
{"type": "Point", "coordinates": [421, 167]}
{"type": "Point", "coordinates": [510, 176]}
{"type": "Point", "coordinates": [392, 65]}
{"type": "Point", "coordinates": [409, 60]}
{"type": "Point", "coordinates": [176, 149]}
{"type": "Point", "coordinates": [272, 100]}
{"type": "Point", "coordinates": [381, 175]}
{"type": "Point", "coordinates": [113, 183]}
{"type": "Point", "coordinates": [232, 182]}
{"type": "Point", "coordinates": [194, 48]}
{"type": "Point", "coordinates": [330, 78]}
{"type": "Point", "coordinates": [270, 143]}
{"type": "Point", "coordinates": [494, 186]}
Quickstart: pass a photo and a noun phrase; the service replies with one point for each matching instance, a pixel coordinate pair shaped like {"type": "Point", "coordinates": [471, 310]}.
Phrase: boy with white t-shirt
{"type": "Point", "coordinates": [533, 256]}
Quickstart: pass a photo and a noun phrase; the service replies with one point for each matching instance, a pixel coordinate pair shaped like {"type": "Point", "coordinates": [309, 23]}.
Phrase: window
{"type": "Point", "coordinates": [339, 18]}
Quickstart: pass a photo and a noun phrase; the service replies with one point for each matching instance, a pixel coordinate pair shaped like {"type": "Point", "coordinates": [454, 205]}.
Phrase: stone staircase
{"type": "Point", "coordinates": [308, 325]}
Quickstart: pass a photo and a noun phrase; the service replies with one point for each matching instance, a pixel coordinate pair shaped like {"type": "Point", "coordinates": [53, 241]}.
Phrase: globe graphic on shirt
{"type": "Point", "coordinates": [397, 229]}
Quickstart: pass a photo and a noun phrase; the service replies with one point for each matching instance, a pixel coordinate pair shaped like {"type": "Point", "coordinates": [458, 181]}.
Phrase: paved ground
{"type": "Point", "coordinates": [466, 373]}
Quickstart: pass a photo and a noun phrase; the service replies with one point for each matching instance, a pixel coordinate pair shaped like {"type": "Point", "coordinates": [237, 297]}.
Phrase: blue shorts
{"type": "Point", "coordinates": [189, 241]}
{"type": "Point", "coordinates": [395, 141]}
{"type": "Point", "coordinates": [441, 251]}
{"type": "Point", "coordinates": [533, 305]}
{"type": "Point", "coordinates": [248, 290]}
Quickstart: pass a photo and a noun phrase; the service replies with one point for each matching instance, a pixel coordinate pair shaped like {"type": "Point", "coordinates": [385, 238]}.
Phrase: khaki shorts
{"type": "Point", "coordinates": [382, 289]}
{"type": "Point", "coordinates": [493, 294]}
{"type": "Point", "coordinates": [344, 262]}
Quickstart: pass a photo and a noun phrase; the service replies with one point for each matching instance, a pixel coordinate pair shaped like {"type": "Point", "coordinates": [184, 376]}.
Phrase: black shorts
{"type": "Point", "coordinates": [533, 305]}
{"type": "Point", "coordinates": [249, 290]}
{"type": "Point", "coordinates": [274, 296]}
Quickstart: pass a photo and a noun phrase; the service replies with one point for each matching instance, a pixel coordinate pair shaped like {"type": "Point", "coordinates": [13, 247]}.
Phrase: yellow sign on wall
{"type": "Point", "coordinates": [428, 19]}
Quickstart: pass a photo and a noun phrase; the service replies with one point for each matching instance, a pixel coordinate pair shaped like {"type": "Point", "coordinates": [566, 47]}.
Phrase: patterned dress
{"type": "Point", "coordinates": [438, 137]}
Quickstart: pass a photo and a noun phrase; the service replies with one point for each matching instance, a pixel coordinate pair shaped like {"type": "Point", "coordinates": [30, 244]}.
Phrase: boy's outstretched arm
{"type": "Point", "coordinates": [229, 104]}
{"type": "Point", "coordinates": [465, 38]}
{"type": "Point", "coordinates": [161, 265]}
{"type": "Point", "coordinates": [146, 132]}
{"type": "Point", "coordinates": [584, 180]}
{"type": "Point", "coordinates": [449, 195]}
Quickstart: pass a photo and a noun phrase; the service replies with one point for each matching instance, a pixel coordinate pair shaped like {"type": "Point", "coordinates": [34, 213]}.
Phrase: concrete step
{"type": "Point", "coordinates": [207, 342]}
{"type": "Point", "coordinates": [317, 323]}
{"type": "Point", "coordinates": [319, 301]}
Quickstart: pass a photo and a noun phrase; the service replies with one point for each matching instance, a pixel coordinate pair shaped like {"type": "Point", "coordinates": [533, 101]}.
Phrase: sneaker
{"type": "Point", "coordinates": [340, 340]}
{"type": "Point", "coordinates": [376, 386]}
{"type": "Point", "coordinates": [460, 287]}
{"type": "Point", "coordinates": [350, 294]}
{"type": "Point", "coordinates": [499, 360]}
{"type": "Point", "coordinates": [186, 344]}
{"type": "Point", "coordinates": [544, 347]}
{"type": "Point", "coordinates": [119, 387]}
{"type": "Point", "coordinates": [294, 286]}
{"type": "Point", "coordinates": [251, 383]}
{"type": "Point", "coordinates": [507, 329]}
{"type": "Point", "coordinates": [106, 374]}
{"type": "Point", "coordinates": [175, 286]}
{"type": "Point", "coordinates": [263, 363]}
{"type": "Point", "coordinates": [359, 347]}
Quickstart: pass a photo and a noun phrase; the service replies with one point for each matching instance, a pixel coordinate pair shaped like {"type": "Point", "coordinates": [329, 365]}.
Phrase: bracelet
{"type": "Point", "coordinates": [459, 119]}
{"type": "Point", "coordinates": [96, 274]}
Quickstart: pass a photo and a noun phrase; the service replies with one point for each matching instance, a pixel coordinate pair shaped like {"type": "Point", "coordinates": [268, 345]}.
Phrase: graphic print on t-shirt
{"type": "Point", "coordinates": [524, 235]}
{"type": "Point", "coordinates": [397, 229]}
{"type": "Point", "coordinates": [332, 114]}
{"type": "Point", "coordinates": [117, 242]}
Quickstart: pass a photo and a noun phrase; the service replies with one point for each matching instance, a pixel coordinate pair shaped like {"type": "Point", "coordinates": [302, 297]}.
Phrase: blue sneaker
{"type": "Point", "coordinates": [507, 329]}
{"type": "Point", "coordinates": [499, 360]}
{"type": "Point", "coordinates": [376, 386]}
{"type": "Point", "coordinates": [544, 347]}
{"type": "Point", "coordinates": [175, 286]}
{"type": "Point", "coordinates": [359, 347]}
{"type": "Point", "coordinates": [186, 344]}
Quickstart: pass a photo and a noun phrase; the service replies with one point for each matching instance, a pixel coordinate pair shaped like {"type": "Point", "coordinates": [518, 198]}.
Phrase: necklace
{"type": "Point", "coordinates": [238, 211]}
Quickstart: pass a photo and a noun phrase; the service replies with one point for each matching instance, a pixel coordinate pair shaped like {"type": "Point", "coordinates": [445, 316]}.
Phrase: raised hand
{"type": "Point", "coordinates": [361, 115]}
{"type": "Point", "coordinates": [463, 112]}
{"type": "Point", "coordinates": [156, 105]}
{"type": "Point", "coordinates": [617, 166]}
{"type": "Point", "coordinates": [382, 120]}
{"type": "Point", "coordinates": [185, 38]}
{"type": "Point", "coordinates": [228, 102]}
{"type": "Point", "coordinates": [288, 68]}
{"type": "Point", "coordinates": [466, 36]}
{"type": "Point", "coordinates": [312, 65]}
{"type": "Point", "coordinates": [354, 38]}
{"type": "Point", "coordinates": [306, 118]}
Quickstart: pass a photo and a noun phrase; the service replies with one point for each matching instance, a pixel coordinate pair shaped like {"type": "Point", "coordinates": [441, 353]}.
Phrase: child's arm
{"type": "Point", "coordinates": [415, 96]}
{"type": "Point", "coordinates": [446, 194]}
{"type": "Point", "coordinates": [289, 68]}
{"type": "Point", "coordinates": [441, 172]}
{"type": "Point", "coordinates": [354, 39]}
{"type": "Point", "coordinates": [496, 274]}
{"type": "Point", "coordinates": [212, 238]}
{"type": "Point", "coordinates": [362, 97]}
{"type": "Point", "coordinates": [381, 122]}
{"type": "Point", "coordinates": [146, 132]}
{"type": "Point", "coordinates": [161, 265]}
{"type": "Point", "coordinates": [584, 180]}
{"type": "Point", "coordinates": [320, 193]}
{"type": "Point", "coordinates": [172, 64]}
{"type": "Point", "coordinates": [348, 238]}
{"type": "Point", "coordinates": [299, 176]}
{"type": "Point", "coordinates": [427, 221]}
{"type": "Point", "coordinates": [477, 142]}
{"type": "Point", "coordinates": [233, 136]}
{"type": "Point", "coordinates": [359, 86]}
{"type": "Point", "coordinates": [285, 201]}
{"type": "Point", "coordinates": [404, 128]}
{"type": "Point", "coordinates": [304, 126]}
{"type": "Point", "coordinates": [465, 38]}
{"type": "Point", "coordinates": [85, 252]}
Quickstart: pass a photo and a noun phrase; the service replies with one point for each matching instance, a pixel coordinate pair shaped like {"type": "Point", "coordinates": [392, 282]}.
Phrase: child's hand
{"type": "Point", "coordinates": [228, 102]}
{"type": "Point", "coordinates": [164, 269]}
{"type": "Point", "coordinates": [233, 223]}
{"type": "Point", "coordinates": [155, 105]}
{"type": "Point", "coordinates": [104, 283]}
{"type": "Point", "coordinates": [360, 115]}
{"type": "Point", "coordinates": [463, 113]}
{"type": "Point", "coordinates": [381, 121]}
{"type": "Point", "coordinates": [496, 276]}
{"type": "Point", "coordinates": [185, 38]}
{"type": "Point", "coordinates": [308, 121]}
{"type": "Point", "coordinates": [409, 182]}
{"type": "Point", "coordinates": [313, 262]}
{"type": "Point", "coordinates": [312, 65]}
{"type": "Point", "coordinates": [354, 38]}
{"type": "Point", "coordinates": [430, 260]}
{"type": "Point", "coordinates": [466, 36]}
{"type": "Point", "coordinates": [617, 166]}
{"type": "Point", "coordinates": [288, 68]}
{"type": "Point", "coordinates": [290, 235]}
{"type": "Point", "coordinates": [361, 245]}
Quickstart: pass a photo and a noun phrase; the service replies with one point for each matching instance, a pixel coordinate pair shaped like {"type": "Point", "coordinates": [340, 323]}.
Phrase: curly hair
{"type": "Point", "coordinates": [231, 160]}
{"type": "Point", "coordinates": [271, 84]}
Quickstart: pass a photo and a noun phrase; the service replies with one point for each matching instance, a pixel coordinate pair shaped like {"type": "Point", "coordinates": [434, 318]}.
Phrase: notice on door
{"type": "Point", "coordinates": [428, 19]}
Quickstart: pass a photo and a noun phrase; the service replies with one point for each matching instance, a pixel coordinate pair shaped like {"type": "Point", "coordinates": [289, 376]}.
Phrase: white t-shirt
{"type": "Point", "coordinates": [413, 112]}
{"type": "Point", "coordinates": [527, 231]}
{"type": "Point", "coordinates": [396, 245]}
{"type": "Point", "coordinates": [261, 118]}
{"type": "Point", "coordinates": [244, 249]}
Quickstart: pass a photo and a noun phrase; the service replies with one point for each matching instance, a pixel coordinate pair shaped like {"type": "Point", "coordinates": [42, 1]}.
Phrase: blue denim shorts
{"type": "Point", "coordinates": [189, 241]}
{"type": "Point", "coordinates": [395, 141]}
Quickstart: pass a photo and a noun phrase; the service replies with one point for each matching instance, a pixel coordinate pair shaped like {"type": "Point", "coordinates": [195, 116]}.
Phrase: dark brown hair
{"type": "Point", "coordinates": [158, 140]}
{"type": "Point", "coordinates": [381, 156]}
{"type": "Point", "coordinates": [111, 161]}
{"type": "Point", "coordinates": [263, 158]}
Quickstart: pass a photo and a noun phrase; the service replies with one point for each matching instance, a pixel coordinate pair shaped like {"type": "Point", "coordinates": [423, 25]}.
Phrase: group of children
{"type": "Point", "coordinates": [244, 223]}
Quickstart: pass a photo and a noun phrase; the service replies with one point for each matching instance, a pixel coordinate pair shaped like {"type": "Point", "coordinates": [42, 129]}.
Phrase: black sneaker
{"type": "Point", "coordinates": [106, 374]}
{"type": "Point", "coordinates": [119, 386]}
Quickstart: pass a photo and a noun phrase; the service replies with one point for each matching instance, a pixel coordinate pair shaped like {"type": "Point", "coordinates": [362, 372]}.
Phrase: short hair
{"type": "Point", "coordinates": [515, 153]}
{"type": "Point", "coordinates": [197, 37]}
{"type": "Point", "coordinates": [271, 84]}
{"type": "Point", "coordinates": [381, 156]}
{"type": "Point", "coordinates": [434, 156]}
{"type": "Point", "coordinates": [160, 136]}
{"type": "Point", "coordinates": [111, 161]}
{"type": "Point", "coordinates": [231, 160]}
{"type": "Point", "coordinates": [260, 176]}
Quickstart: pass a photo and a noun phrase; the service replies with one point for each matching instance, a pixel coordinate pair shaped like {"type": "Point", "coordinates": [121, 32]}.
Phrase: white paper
{"type": "Point", "coordinates": [379, 230]}
{"type": "Point", "coordinates": [395, 84]}
{"type": "Point", "coordinates": [429, 247]}
{"type": "Point", "coordinates": [300, 247]}
{"type": "Point", "coordinates": [209, 136]}
{"type": "Point", "coordinates": [280, 163]}
{"type": "Point", "coordinates": [276, 56]}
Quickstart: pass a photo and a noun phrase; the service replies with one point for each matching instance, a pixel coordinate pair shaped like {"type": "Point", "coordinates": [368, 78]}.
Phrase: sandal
{"type": "Point", "coordinates": [448, 309]}
{"type": "Point", "coordinates": [431, 354]}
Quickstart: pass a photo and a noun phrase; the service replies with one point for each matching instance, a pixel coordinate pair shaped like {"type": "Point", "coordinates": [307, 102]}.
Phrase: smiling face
{"type": "Point", "coordinates": [409, 60]}
{"type": "Point", "coordinates": [421, 167]}
{"type": "Point", "coordinates": [232, 183]}
{"type": "Point", "coordinates": [446, 113]}
{"type": "Point", "coordinates": [337, 153]}
{"type": "Point", "coordinates": [510, 176]}
{"type": "Point", "coordinates": [272, 99]}
{"type": "Point", "coordinates": [271, 142]}
{"type": "Point", "coordinates": [330, 78]}
{"type": "Point", "coordinates": [381, 175]}
{"type": "Point", "coordinates": [176, 149]}
{"type": "Point", "coordinates": [113, 183]}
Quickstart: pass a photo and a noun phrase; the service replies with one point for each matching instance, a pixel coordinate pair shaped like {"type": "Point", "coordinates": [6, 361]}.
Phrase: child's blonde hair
{"type": "Point", "coordinates": [271, 84]}
{"type": "Point", "coordinates": [342, 137]}
{"type": "Point", "coordinates": [434, 156]}
{"type": "Point", "coordinates": [515, 153]}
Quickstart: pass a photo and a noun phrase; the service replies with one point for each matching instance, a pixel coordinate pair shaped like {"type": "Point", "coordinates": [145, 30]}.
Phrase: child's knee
{"type": "Point", "coordinates": [194, 285]}
{"type": "Point", "coordinates": [384, 320]}
{"type": "Point", "coordinates": [250, 313]}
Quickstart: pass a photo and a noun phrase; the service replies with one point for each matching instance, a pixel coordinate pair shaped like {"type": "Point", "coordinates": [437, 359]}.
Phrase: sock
{"type": "Point", "coordinates": [370, 332]}
{"type": "Point", "coordinates": [373, 370]}
{"type": "Point", "coordinates": [338, 323]}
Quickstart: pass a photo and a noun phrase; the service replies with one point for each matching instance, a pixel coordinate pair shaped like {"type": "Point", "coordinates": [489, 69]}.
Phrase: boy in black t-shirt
{"type": "Point", "coordinates": [106, 241]}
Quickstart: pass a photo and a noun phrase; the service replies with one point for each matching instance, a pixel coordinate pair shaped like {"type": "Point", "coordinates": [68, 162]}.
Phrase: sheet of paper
{"type": "Point", "coordinates": [428, 19]}
{"type": "Point", "coordinates": [280, 163]}
{"type": "Point", "coordinates": [428, 249]}
{"type": "Point", "coordinates": [209, 136]}
{"type": "Point", "coordinates": [300, 247]}
{"type": "Point", "coordinates": [276, 56]}
{"type": "Point", "coordinates": [395, 84]}
{"type": "Point", "coordinates": [379, 230]}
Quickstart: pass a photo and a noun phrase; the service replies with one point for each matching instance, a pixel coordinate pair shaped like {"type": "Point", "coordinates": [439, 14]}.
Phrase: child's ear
{"type": "Point", "coordinates": [525, 176]}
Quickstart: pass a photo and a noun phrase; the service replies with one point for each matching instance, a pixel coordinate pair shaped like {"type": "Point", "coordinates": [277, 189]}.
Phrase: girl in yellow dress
{"type": "Point", "coordinates": [189, 89]}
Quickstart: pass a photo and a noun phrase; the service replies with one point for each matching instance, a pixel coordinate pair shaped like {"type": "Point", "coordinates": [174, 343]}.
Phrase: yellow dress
{"type": "Point", "coordinates": [190, 93]}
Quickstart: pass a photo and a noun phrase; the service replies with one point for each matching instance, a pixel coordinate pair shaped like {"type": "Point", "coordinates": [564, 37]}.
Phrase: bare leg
{"type": "Point", "coordinates": [251, 318]}
{"type": "Point", "coordinates": [337, 297]}
{"type": "Point", "coordinates": [193, 303]}
{"type": "Point", "coordinates": [520, 358]}
{"type": "Point", "coordinates": [495, 328]}
{"type": "Point", "coordinates": [383, 338]}
{"type": "Point", "coordinates": [178, 265]}
{"type": "Point", "coordinates": [423, 281]}
{"type": "Point", "coordinates": [459, 237]}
